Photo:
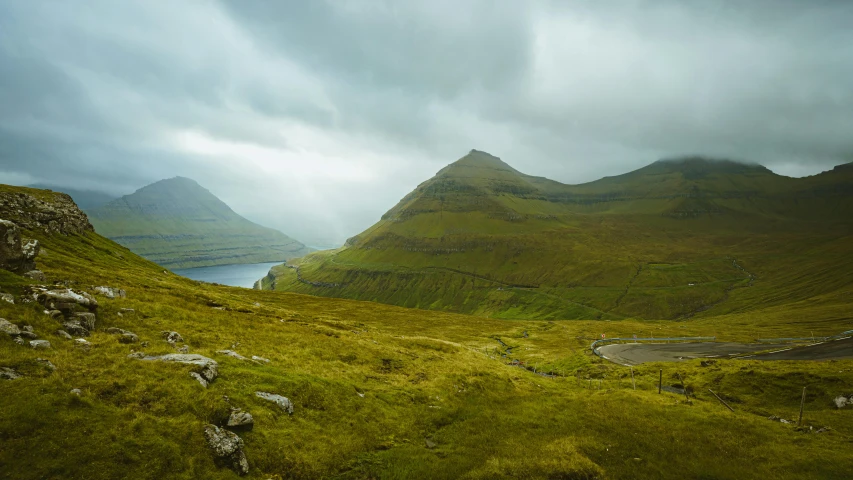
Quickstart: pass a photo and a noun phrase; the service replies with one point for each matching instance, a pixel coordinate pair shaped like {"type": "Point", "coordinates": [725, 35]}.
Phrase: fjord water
{"type": "Point", "coordinates": [238, 275]}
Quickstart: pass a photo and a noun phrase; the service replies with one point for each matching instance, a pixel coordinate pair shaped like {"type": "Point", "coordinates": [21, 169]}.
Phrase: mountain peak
{"type": "Point", "coordinates": [478, 164]}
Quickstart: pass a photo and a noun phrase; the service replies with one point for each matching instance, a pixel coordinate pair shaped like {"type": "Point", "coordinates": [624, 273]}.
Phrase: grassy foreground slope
{"type": "Point", "coordinates": [373, 383]}
{"type": "Point", "coordinates": [676, 239]}
{"type": "Point", "coordinates": [179, 224]}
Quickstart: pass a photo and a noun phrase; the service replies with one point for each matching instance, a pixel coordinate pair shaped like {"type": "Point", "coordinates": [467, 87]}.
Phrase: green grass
{"type": "Point", "coordinates": [424, 375]}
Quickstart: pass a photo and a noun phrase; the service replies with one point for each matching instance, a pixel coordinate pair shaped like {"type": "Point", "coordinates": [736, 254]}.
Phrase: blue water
{"type": "Point", "coordinates": [242, 275]}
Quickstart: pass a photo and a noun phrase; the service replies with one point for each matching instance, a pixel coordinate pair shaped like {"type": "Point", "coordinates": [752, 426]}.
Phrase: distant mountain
{"type": "Point", "coordinates": [179, 224]}
{"type": "Point", "coordinates": [675, 239]}
{"type": "Point", "coordinates": [85, 199]}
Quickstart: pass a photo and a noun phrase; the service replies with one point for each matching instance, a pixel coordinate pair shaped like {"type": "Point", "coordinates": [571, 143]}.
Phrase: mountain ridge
{"type": "Point", "coordinates": [178, 223]}
{"type": "Point", "coordinates": [481, 237]}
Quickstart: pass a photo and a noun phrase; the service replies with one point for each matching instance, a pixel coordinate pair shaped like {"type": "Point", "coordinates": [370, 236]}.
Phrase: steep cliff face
{"type": "Point", "coordinates": [44, 210]}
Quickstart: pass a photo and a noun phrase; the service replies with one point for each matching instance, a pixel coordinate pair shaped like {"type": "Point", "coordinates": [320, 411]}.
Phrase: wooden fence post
{"type": "Point", "coordinates": [802, 402]}
{"type": "Point", "coordinates": [660, 381]}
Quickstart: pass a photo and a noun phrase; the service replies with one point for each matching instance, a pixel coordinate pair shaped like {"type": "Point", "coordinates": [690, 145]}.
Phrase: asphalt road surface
{"type": "Point", "coordinates": [637, 353]}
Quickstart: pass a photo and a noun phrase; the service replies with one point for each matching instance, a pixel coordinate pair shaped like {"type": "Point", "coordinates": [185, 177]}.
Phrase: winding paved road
{"type": "Point", "coordinates": [637, 353]}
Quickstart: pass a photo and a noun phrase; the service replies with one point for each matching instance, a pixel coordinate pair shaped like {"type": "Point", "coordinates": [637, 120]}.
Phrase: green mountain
{"type": "Point", "coordinates": [179, 224]}
{"type": "Point", "coordinates": [676, 239]}
{"type": "Point", "coordinates": [378, 391]}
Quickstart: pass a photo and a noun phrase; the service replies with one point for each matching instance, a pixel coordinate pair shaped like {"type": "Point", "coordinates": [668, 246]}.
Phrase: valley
{"type": "Point", "coordinates": [383, 391]}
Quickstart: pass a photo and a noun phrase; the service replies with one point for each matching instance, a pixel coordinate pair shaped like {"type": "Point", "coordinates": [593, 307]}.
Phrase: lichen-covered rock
{"type": "Point", "coordinates": [75, 329]}
{"type": "Point", "coordinates": [16, 255]}
{"type": "Point", "coordinates": [172, 337]}
{"type": "Point", "coordinates": [9, 374]}
{"type": "Point", "coordinates": [66, 299]}
{"type": "Point", "coordinates": [283, 402]}
{"type": "Point", "coordinates": [227, 447]}
{"type": "Point", "coordinates": [9, 328]}
{"type": "Point", "coordinates": [7, 297]}
{"type": "Point", "coordinates": [128, 337]}
{"type": "Point", "coordinates": [260, 359]}
{"type": "Point", "coordinates": [86, 319]}
{"type": "Point", "coordinates": [29, 335]}
{"type": "Point", "coordinates": [842, 401]}
{"type": "Point", "coordinates": [238, 419]}
{"type": "Point", "coordinates": [231, 353]}
{"type": "Point", "coordinates": [56, 214]}
{"type": "Point", "coordinates": [111, 292]}
{"type": "Point", "coordinates": [36, 275]}
{"type": "Point", "coordinates": [207, 367]}
{"type": "Point", "coordinates": [40, 344]}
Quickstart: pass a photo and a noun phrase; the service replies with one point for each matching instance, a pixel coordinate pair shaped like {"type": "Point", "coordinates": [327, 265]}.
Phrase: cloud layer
{"type": "Point", "coordinates": [316, 117]}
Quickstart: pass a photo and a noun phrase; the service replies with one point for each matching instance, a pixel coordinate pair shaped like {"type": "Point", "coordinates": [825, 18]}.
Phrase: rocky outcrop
{"type": "Point", "coordinates": [283, 402]}
{"type": "Point", "coordinates": [66, 300]}
{"type": "Point", "coordinates": [16, 254]}
{"type": "Point", "coordinates": [227, 447]}
{"type": "Point", "coordinates": [50, 212]}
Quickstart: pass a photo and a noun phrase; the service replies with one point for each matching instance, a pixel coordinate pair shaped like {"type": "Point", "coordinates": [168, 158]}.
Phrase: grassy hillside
{"type": "Point", "coordinates": [676, 239]}
{"type": "Point", "coordinates": [387, 392]}
{"type": "Point", "coordinates": [178, 224]}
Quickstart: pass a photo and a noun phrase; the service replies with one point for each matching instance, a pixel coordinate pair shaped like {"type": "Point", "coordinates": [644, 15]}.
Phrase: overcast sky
{"type": "Point", "coordinates": [316, 117]}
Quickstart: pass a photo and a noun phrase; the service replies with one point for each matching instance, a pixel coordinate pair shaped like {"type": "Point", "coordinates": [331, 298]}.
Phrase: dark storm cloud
{"type": "Point", "coordinates": [315, 117]}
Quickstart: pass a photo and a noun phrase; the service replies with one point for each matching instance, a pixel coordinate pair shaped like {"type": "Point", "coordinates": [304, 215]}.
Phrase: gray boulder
{"type": "Point", "coordinates": [9, 328]}
{"type": "Point", "coordinates": [227, 447]}
{"type": "Point", "coordinates": [283, 402]}
{"type": "Point", "coordinates": [66, 300]}
{"type": "Point", "coordinates": [19, 340]}
{"type": "Point", "coordinates": [9, 374]}
{"type": "Point", "coordinates": [260, 359]}
{"type": "Point", "coordinates": [231, 353]}
{"type": "Point", "coordinates": [29, 335]}
{"type": "Point", "coordinates": [240, 420]}
{"type": "Point", "coordinates": [46, 364]}
{"type": "Point", "coordinates": [208, 369]}
{"type": "Point", "coordinates": [75, 391]}
{"type": "Point", "coordinates": [36, 275]}
{"type": "Point", "coordinates": [40, 344]}
{"type": "Point", "coordinates": [128, 337]}
{"type": "Point", "coordinates": [111, 292]}
{"type": "Point", "coordinates": [7, 297]}
{"type": "Point", "coordinates": [172, 337]}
